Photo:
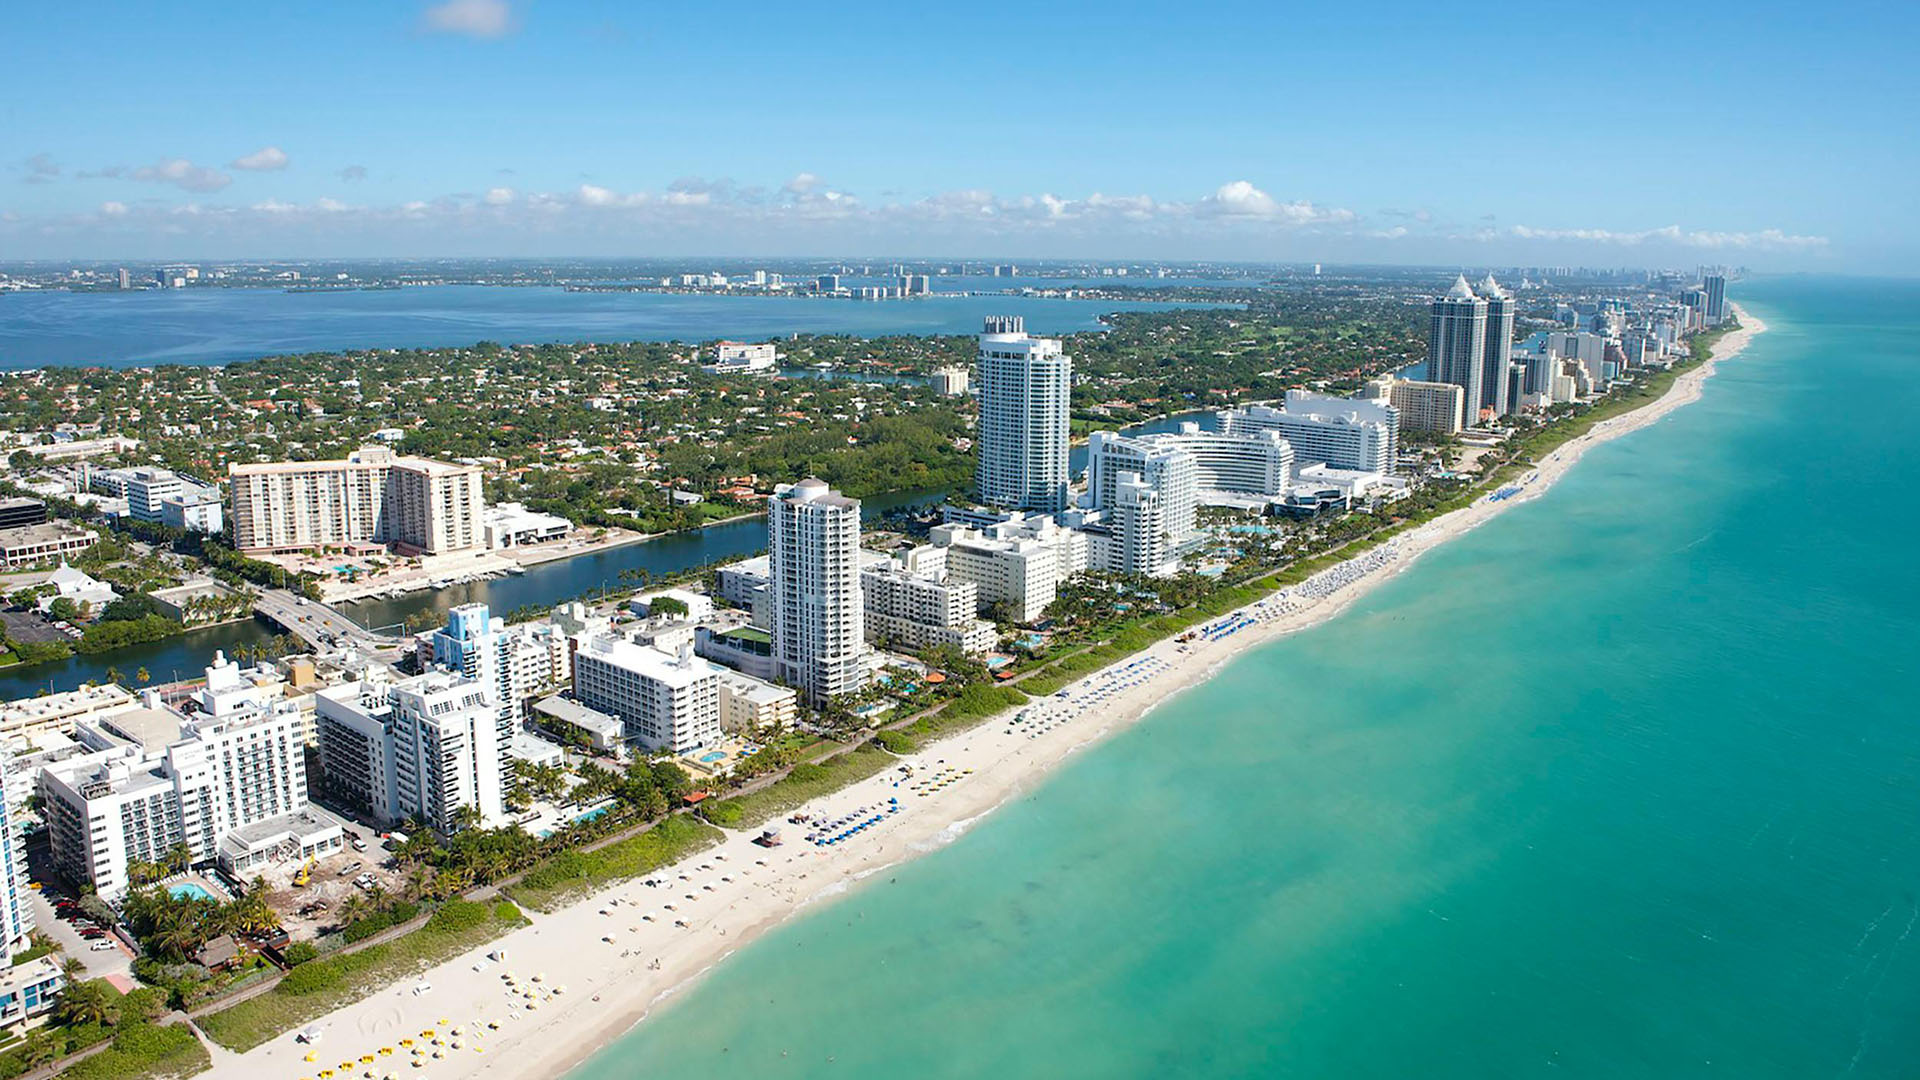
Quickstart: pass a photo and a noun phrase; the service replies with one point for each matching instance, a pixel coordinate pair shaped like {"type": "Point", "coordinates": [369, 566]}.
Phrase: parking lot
{"type": "Point", "coordinates": [111, 961]}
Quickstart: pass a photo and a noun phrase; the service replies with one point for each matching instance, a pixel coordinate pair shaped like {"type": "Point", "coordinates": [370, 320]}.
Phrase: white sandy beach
{"type": "Point", "coordinates": [605, 961]}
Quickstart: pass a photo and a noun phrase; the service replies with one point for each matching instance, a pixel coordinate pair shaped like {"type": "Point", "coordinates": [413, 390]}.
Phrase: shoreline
{"type": "Point", "coordinates": [623, 951]}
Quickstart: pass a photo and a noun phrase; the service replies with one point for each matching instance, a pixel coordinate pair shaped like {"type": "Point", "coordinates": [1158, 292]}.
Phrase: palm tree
{"type": "Point", "coordinates": [353, 909]}
{"type": "Point", "coordinates": [87, 1003]}
{"type": "Point", "coordinates": [113, 674]}
{"type": "Point", "coordinates": [142, 675]}
{"type": "Point", "coordinates": [39, 1050]}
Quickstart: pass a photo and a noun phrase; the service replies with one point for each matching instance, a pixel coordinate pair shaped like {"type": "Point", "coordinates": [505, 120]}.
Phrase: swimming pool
{"type": "Point", "coordinates": [717, 755]}
{"type": "Point", "coordinates": [187, 890]}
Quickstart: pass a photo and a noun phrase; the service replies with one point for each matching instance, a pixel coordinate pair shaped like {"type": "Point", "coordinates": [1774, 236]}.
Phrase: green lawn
{"type": "Point", "coordinates": [974, 704]}
{"type": "Point", "coordinates": [805, 782]}
{"type": "Point", "coordinates": [321, 986]}
{"type": "Point", "coordinates": [562, 877]}
{"type": "Point", "coordinates": [145, 1051]}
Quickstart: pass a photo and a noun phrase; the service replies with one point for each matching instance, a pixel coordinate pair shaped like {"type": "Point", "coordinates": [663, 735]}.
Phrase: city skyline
{"type": "Point", "coordinates": [438, 129]}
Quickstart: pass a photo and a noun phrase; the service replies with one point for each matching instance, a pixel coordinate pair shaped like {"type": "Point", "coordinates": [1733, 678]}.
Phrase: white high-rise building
{"type": "Point", "coordinates": [1346, 433]}
{"type": "Point", "coordinates": [16, 912]}
{"type": "Point", "coordinates": [416, 748]}
{"type": "Point", "coordinates": [1025, 401]}
{"type": "Point", "coordinates": [1494, 364]}
{"type": "Point", "coordinates": [666, 702]}
{"type": "Point", "coordinates": [227, 782]}
{"type": "Point", "coordinates": [514, 663]}
{"type": "Point", "coordinates": [813, 545]}
{"type": "Point", "coordinates": [421, 506]}
{"type": "Point", "coordinates": [1457, 343]}
{"type": "Point", "coordinates": [1167, 479]}
{"type": "Point", "coordinates": [1257, 463]}
{"type": "Point", "coordinates": [1143, 533]}
{"type": "Point", "coordinates": [917, 610]}
{"type": "Point", "coordinates": [447, 751]}
{"type": "Point", "coordinates": [1017, 564]}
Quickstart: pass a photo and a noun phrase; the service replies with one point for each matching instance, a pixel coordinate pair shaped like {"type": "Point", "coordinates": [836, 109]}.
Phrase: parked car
{"type": "Point", "coordinates": [101, 946]}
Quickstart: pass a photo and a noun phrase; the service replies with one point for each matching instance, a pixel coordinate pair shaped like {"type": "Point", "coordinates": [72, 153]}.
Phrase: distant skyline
{"type": "Point", "coordinates": [1631, 134]}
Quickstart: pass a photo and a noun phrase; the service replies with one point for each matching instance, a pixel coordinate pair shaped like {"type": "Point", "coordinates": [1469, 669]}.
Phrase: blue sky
{"type": "Point", "coordinates": [1778, 136]}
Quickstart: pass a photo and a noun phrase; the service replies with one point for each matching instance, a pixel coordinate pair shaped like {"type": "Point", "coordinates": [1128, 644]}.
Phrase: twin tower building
{"type": "Point", "coordinates": [1468, 346]}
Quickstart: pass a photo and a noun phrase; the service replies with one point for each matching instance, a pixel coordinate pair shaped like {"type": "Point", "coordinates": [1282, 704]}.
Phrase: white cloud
{"type": "Point", "coordinates": [1674, 235]}
{"type": "Point", "coordinates": [473, 18]}
{"type": "Point", "coordinates": [265, 159]}
{"type": "Point", "coordinates": [805, 214]}
{"type": "Point", "coordinates": [182, 174]}
{"type": "Point", "coordinates": [1240, 198]}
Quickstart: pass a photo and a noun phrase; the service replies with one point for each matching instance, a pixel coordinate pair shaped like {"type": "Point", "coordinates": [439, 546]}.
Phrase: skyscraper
{"type": "Point", "coordinates": [1167, 477]}
{"type": "Point", "coordinates": [1716, 286]}
{"type": "Point", "coordinates": [813, 547]}
{"type": "Point", "coordinates": [1493, 374]}
{"type": "Point", "coordinates": [16, 913]}
{"type": "Point", "coordinates": [1457, 343]}
{"type": "Point", "coordinates": [1025, 385]}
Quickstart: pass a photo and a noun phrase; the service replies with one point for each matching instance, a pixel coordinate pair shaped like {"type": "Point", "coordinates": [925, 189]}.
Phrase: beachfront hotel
{"type": "Point", "coordinates": [1146, 494]}
{"type": "Point", "coordinates": [1346, 433]}
{"type": "Point", "coordinates": [423, 747]}
{"type": "Point", "coordinates": [1440, 408]}
{"type": "Point", "coordinates": [813, 588]}
{"type": "Point", "coordinates": [1229, 468]}
{"type": "Point", "coordinates": [913, 604]}
{"type": "Point", "coordinates": [1017, 564]}
{"type": "Point", "coordinates": [419, 506]}
{"type": "Point", "coordinates": [1025, 390]}
{"type": "Point", "coordinates": [668, 702]}
{"type": "Point", "coordinates": [223, 775]}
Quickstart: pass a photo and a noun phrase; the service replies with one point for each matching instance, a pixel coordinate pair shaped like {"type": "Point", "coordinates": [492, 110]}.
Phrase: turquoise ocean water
{"type": "Point", "coordinates": [1625, 783]}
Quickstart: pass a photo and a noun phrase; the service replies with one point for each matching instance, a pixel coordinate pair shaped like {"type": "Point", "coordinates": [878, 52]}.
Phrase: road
{"type": "Point", "coordinates": [312, 622]}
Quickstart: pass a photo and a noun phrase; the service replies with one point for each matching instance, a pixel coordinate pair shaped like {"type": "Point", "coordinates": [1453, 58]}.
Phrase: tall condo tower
{"type": "Point", "coordinates": [1025, 387]}
{"type": "Point", "coordinates": [813, 544]}
{"type": "Point", "coordinates": [1716, 286]}
{"type": "Point", "coordinates": [1493, 375]}
{"type": "Point", "coordinates": [1457, 343]}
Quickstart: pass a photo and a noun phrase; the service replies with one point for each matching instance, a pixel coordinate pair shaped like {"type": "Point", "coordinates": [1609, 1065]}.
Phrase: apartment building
{"type": "Point", "coordinates": [416, 505]}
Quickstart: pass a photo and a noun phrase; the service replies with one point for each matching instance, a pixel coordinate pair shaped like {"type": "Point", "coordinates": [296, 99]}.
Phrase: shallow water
{"type": "Point", "coordinates": [1616, 785]}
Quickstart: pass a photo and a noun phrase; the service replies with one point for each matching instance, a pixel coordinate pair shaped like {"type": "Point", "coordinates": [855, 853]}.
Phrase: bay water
{"type": "Point", "coordinates": [218, 325]}
{"type": "Point", "coordinates": [1624, 783]}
